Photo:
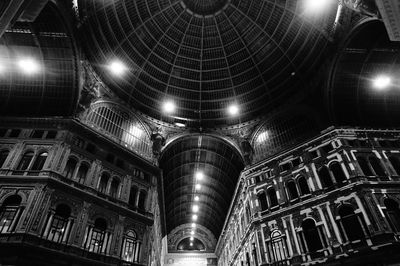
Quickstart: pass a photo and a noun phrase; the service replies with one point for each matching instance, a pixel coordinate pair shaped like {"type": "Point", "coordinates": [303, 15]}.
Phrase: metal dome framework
{"type": "Point", "coordinates": [205, 55]}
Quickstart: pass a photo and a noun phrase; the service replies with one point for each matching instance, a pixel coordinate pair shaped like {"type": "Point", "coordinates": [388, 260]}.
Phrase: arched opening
{"type": "Point", "coordinates": [131, 247]}
{"type": "Point", "coordinates": [69, 169]}
{"type": "Point", "coordinates": [114, 188]}
{"type": "Point", "coordinates": [191, 244]}
{"type": "Point", "coordinates": [392, 214]}
{"type": "Point", "coordinates": [352, 228]}
{"type": "Point", "coordinates": [104, 182]}
{"type": "Point", "coordinates": [58, 224]}
{"type": "Point", "coordinates": [39, 161]}
{"type": "Point", "coordinates": [25, 161]}
{"type": "Point", "coordinates": [10, 212]}
{"type": "Point", "coordinates": [292, 190]}
{"type": "Point", "coordinates": [273, 199]}
{"type": "Point", "coordinates": [311, 236]}
{"type": "Point", "coordinates": [277, 247]}
{"type": "Point", "coordinates": [3, 157]}
{"type": "Point", "coordinates": [325, 177]}
{"type": "Point", "coordinates": [82, 173]}
{"type": "Point", "coordinates": [338, 172]}
{"type": "Point", "coordinates": [395, 161]}
{"type": "Point", "coordinates": [97, 239]}
{"type": "Point", "coordinates": [262, 199]}
{"type": "Point", "coordinates": [303, 185]}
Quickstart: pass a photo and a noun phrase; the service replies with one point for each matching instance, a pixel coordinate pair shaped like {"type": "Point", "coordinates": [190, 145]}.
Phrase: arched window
{"type": "Point", "coordinates": [131, 247]}
{"type": "Point", "coordinates": [292, 190]}
{"type": "Point", "coordinates": [104, 182]}
{"type": "Point", "coordinates": [325, 177]}
{"type": "Point", "coordinates": [10, 213]}
{"type": "Point", "coordinates": [304, 189]}
{"type": "Point", "coordinates": [69, 169]}
{"type": "Point", "coordinates": [364, 165]}
{"type": "Point", "coordinates": [395, 161]}
{"type": "Point", "coordinates": [25, 161]}
{"type": "Point", "coordinates": [39, 161]}
{"type": "Point", "coordinates": [312, 240]}
{"type": "Point", "coordinates": [114, 188]}
{"type": "Point", "coordinates": [58, 224]}
{"type": "Point", "coordinates": [3, 157]}
{"type": "Point", "coordinates": [142, 200]}
{"type": "Point", "coordinates": [133, 196]}
{"type": "Point", "coordinates": [97, 239]}
{"type": "Point", "coordinates": [262, 199]}
{"type": "Point", "coordinates": [392, 214]}
{"type": "Point", "coordinates": [82, 173]}
{"type": "Point", "coordinates": [377, 166]}
{"type": "Point", "coordinates": [277, 248]}
{"type": "Point", "coordinates": [338, 172]}
{"type": "Point", "coordinates": [351, 225]}
{"type": "Point", "coordinates": [273, 200]}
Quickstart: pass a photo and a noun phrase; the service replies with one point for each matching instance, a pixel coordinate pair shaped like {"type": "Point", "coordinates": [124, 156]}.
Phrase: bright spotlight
{"type": "Point", "coordinates": [199, 176]}
{"type": "Point", "coordinates": [191, 244]}
{"type": "Point", "coordinates": [196, 198]}
{"type": "Point", "coordinates": [382, 82]}
{"type": "Point", "coordinates": [315, 6]}
{"type": "Point", "coordinates": [233, 109]}
{"type": "Point", "coordinates": [28, 66]}
{"type": "Point", "coordinates": [195, 208]}
{"type": "Point", "coordinates": [192, 232]}
{"type": "Point", "coordinates": [194, 217]}
{"type": "Point", "coordinates": [117, 68]}
{"type": "Point", "coordinates": [193, 225]}
{"type": "Point", "coordinates": [169, 107]}
{"type": "Point", "coordinates": [198, 186]}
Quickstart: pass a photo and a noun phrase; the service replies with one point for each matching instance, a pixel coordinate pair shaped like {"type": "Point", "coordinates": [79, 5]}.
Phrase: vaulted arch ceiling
{"type": "Point", "coordinates": [220, 164]}
{"type": "Point", "coordinates": [206, 54]}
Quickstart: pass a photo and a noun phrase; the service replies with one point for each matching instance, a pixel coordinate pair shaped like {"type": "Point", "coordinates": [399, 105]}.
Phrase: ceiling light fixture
{"type": "Point", "coordinates": [195, 208]}
{"type": "Point", "coordinates": [233, 110]}
{"type": "Point", "coordinates": [198, 186]}
{"type": "Point", "coordinates": [193, 225]}
{"type": "Point", "coordinates": [196, 198]}
{"type": "Point", "coordinates": [192, 232]}
{"type": "Point", "coordinates": [169, 107]}
{"type": "Point", "coordinates": [191, 238]}
{"type": "Point", "coordinates": [382, 82]}
{"type": "Point", "coordinates": [29, 66]}
{"type": "Point", "coordinates": [194, 217]}
{"type": "Point", "coordinates": [199, 176]}
{"type": "Point", "coordinates": [191, 244]}
{"type": "Point", "coordinates": [117, 68]}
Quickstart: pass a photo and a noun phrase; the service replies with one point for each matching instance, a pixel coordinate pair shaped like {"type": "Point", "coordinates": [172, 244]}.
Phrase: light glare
{"type": "Point", "coordinates": [117, 68]}
{"type": "Point", "coordinates": [192, 232]}
{"type": "Point", "coordinates": [195, 208]}
{"type": "Point", "coordinates": [199, 176]}
{"type": "Point", "coordinates": [196, 198]}
{"type": "Point", "coordinates": [315, 6]}
{"type": "Point", "coordinates": [194, 217]}
{"type": "Point", "coordinates": [169, 107]}
{"type": "Point", "coordinates": [233, 109]}
{"type": "Point", "coordinates": [28, 66]}
{"type": "Point", "coordinates": [198, 186]}
{"type": "Point", "coordinates": [382, 82]}
{"type": "Point", "coordinates": [193, 225]}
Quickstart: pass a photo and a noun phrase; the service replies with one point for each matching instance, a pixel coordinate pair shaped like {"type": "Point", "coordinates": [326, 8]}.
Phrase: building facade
{"type": "Point", "coordinates": [333, 200]}
{"type": "Point", "coordinates": [70, 196]}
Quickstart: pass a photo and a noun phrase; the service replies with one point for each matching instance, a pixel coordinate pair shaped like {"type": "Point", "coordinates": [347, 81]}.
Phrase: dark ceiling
{"type": "Point", "coordinates": [206, 54]}
{"type": "Point", "coordinates": [221, 165]}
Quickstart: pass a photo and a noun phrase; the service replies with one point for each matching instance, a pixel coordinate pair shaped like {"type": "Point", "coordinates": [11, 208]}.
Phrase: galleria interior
{"type": "Point", "coordinates": [199, 132]}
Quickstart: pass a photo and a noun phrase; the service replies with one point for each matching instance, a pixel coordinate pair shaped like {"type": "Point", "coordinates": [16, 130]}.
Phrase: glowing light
{"type": "Point", "coordinates": [191, 244]}
{"type": "Point", "coordinates": [315, 6]}
{"type": "Point", "coordinates": [199, 176]}
{"type": "Point", "coordinates": [382, 82]}
{"type": "Point", "coordinates": [196, 198]}
{"type": "Point", "coordinates": [263, 137]}
{"type": "Point", "coordinates": [29, 66]}
{"type": "Point", "coordinates": [117, 68]}
{"type": "Point", "coordinates": [169, 107]}
{"type": "Point", "coordinates": [233, 109]}
{"type": "Point", "coordinates": [195, 208]}
{"type": "Point", "coordinates": [198, 186]}
{"type": "Point", "coordinates": [194, 217]}
{"type": "Point", "coordinates": [180, 124]}
{"type": "Point", "coordinates": [192, 232]}
{"type": "Point", "coordinates": [193, 225]}
{"type": "Point", "coordinates": [191, 238]}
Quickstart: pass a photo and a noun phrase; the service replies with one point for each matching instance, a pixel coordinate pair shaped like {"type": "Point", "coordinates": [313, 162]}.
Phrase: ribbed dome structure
{"type": "Point", "coordinates": [206, 54]}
